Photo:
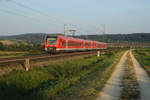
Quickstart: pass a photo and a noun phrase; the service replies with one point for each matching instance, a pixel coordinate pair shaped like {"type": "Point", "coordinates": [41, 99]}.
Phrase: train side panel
{"type": "Point", "coordinates": [68, 43]}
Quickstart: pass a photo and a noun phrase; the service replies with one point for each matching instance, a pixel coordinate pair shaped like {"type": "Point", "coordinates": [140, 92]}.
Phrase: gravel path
{"type": "Point", "coordinates": [112, 89]}
{"type": "Point", "coordinates": [142, 78]}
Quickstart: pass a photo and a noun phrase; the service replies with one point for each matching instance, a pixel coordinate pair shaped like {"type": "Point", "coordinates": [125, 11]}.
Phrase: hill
{"type": "Point", "coordinates": [113, 38]}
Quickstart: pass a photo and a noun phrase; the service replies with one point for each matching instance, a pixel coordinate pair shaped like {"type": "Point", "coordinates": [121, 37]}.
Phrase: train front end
{"type": "Point", "coordinates": [51, 43]}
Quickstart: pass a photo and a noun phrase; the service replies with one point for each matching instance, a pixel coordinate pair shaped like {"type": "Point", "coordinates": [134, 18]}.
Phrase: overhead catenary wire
{"type": "Point", "coordinates": [36, 21]}
{"type": "Point", "coordinates": [36, 11]}
{"type": "Point", "coordinates": [14, 13]}
{"type": "Point", "coordinates": [19, 12]}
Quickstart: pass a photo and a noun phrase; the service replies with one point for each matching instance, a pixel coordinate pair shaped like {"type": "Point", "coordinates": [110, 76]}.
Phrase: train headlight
{"type": "Point", "coordinates": [45, 49]}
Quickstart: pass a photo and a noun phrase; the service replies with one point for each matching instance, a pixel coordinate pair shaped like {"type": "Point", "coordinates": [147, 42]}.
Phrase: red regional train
{"type": "Point", "coordinates": [65, 43]}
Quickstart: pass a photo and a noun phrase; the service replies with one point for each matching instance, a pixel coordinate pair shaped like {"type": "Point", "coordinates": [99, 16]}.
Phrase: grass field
{"type": "Point", "coordinates": [60, 80]}
{"type": "Point", "coordinates": [10, 52]}
{"type": "Point", "coordinates": [143, 56]}
{"type": "Point", "coordinates": [5, 54]}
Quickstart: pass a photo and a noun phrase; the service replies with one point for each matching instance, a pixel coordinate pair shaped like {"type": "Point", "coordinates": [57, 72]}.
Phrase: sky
{"type": "Point", "coordinates": [85, 16]}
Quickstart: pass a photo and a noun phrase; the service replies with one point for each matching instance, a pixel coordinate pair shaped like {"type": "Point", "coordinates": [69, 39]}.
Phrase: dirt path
{"type": "Point", "coordinates": [142, 78]}
{"type": "Point", "coordinates": [112, 89]}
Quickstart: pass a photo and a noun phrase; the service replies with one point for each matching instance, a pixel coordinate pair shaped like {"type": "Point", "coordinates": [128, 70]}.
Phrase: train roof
{"type": "Point", "coordinates": [69, 37]}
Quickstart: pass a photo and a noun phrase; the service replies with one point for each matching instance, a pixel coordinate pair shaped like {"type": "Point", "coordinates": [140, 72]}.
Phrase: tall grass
{"type": "Point", "coordinates": [90, 85]}
{"type": "Point", "coordinates": [143, 56]}
{"type": "Point", "coordinates": [45, 83]}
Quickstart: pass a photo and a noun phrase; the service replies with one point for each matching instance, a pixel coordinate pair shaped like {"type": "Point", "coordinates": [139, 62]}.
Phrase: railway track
{"type": "Point", "coordinates": [25, 60]}
{"type": "Point", "coordinates": [9, 60]}
{"type": "Point", "coordinates": [47, 56]}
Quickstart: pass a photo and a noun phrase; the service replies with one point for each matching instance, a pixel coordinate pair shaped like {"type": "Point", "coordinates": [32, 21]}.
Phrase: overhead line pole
{"type": "Point", "coordinates": [65, 29]}
{"type": "Point", "coordinates": [104, 32]}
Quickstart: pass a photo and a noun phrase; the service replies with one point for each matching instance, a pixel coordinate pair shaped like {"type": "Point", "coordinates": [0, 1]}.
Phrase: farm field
{"type": "Point", "coordinates": [5, 54]}
{"type": "Point", "coordinates": [12, 42]}
{"type": "Point", "coordinates": [78, 79]}
{"type": "Point", "coordinates": [10, 52]}
{"type": "Point", "coordinates": [143, 56]}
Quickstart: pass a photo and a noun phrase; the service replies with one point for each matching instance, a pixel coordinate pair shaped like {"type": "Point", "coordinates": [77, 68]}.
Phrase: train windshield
{"type": "Point", "coordinates": [51, 40]}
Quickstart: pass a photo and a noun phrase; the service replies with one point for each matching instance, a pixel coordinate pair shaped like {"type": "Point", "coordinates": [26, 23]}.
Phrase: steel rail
{"type": "Point", "coordinates": [41, 57]}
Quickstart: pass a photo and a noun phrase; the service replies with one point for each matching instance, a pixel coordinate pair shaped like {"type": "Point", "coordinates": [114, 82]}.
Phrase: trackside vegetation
{"type": "Point", "coordinates": [47, 83]}
{"type": "Point", "coordinates": [143, 56]}
{"type": "Point", "coordinates": [90, 85]}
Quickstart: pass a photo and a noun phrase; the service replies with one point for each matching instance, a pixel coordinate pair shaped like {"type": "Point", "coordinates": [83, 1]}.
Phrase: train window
{"type": "Point", "coordinates": [74, 44]}
{"type": "Point", "coordinates": [63, 43]}
{"type": "Point", "coordinates": [103, 46]}
{"type": "Point", "coordinates": [87, 44]}
{"type": "Point", "coordinates": [51, 40]}
{"type": "Point", "coordinates": [98, 45]}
